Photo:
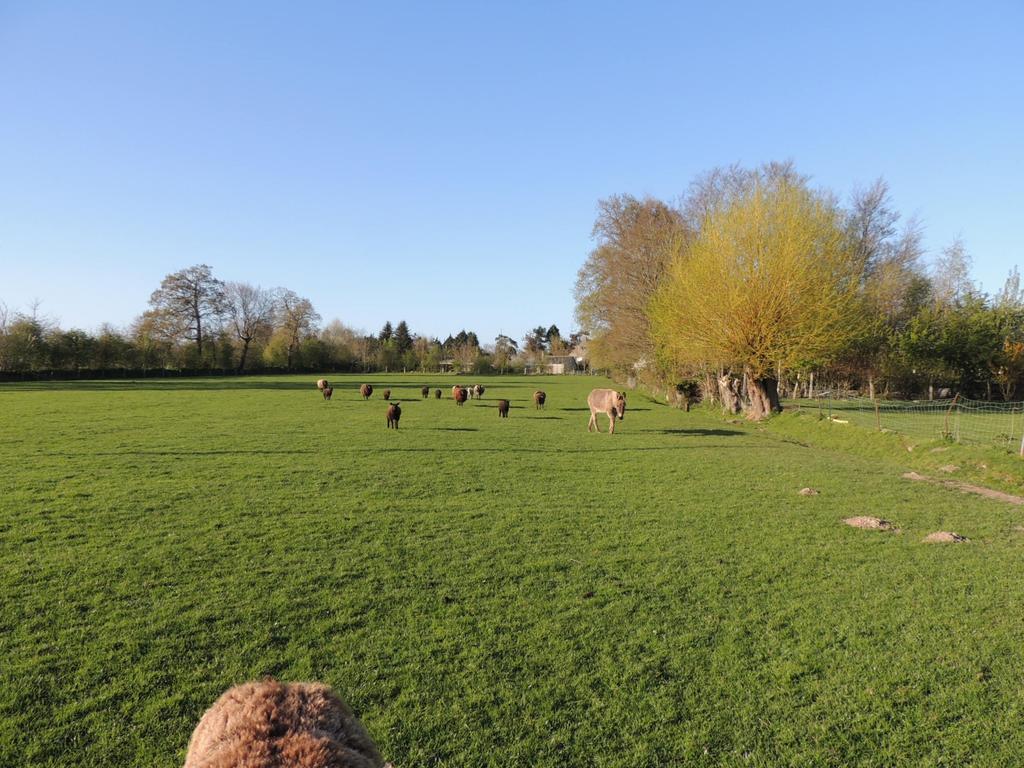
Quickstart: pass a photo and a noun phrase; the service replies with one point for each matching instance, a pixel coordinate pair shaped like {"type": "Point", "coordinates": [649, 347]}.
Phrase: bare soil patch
{"type": "Point", "coordinates": [988, 493]}
{"type": "Point", "coordinates": [945, 537]}
{"type": "Point", "coordinates": [871, 523]}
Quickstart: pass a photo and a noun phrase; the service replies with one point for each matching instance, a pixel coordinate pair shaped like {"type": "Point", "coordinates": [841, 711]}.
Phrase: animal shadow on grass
{"type": "Point", "coordinates": [698, 432]}
{"type": "Point", "coordinates": [454, 429]}
{"type": "Point", "coordinates": [629, 409]}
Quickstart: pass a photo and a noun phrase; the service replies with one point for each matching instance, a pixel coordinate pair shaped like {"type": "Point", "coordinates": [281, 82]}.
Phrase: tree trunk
{"type": "Point", "coordinates": [245, 352]}
{"type": "Point", "coordinates": [764, 398]}
{"type": "Point", "coordinates": [810, 386]}
{"type": "Point", "coordinates": [728, 393]}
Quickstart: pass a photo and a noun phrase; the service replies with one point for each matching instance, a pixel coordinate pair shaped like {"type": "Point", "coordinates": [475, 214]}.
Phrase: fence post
{"type": "Point", "coordinates": [945, 430]}
{"type": "Point", "coordinates": [878, 418]}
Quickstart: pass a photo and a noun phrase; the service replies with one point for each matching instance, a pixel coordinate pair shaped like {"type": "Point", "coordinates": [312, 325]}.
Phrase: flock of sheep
{"type": "Point", "coordinates": [607, 401]}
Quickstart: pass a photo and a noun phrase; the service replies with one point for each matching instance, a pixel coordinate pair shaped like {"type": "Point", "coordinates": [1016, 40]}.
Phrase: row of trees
{"type": "Point", "coordinates": [197, 322]}
{"type": "Point", "coordinates": [757, 284]}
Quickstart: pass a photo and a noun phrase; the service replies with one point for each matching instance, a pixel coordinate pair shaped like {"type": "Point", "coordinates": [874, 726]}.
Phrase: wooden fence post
{"type": "Point", "coordinates": [945, 430]}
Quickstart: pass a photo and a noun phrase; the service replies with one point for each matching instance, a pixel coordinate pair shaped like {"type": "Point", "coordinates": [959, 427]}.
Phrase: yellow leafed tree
{"type": "Point", "coordinates": [770, 282]}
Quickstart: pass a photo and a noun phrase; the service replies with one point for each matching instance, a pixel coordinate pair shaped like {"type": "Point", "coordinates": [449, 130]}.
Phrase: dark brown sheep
{"type": "Point", "coordinates": [386, 394]}
{"type": "Point", "coordinates": [425, 392]}
{"type": "Point", "coordinates": [328, 391]}
{"type": "Point", "coordinates": [270, 724]}
{"type": "Point", "coordinates": [366, 390]}
{"type": "Point", "coordinates": [394, 414]}
{"type": "Point", "coordinates": [461, 395]}
{"type": "Point", "coordinates": [539, 397]}
{"type": "Point", "coordinates": [503, 408]}
{"type": "Point", "coordinates": [437, 393]}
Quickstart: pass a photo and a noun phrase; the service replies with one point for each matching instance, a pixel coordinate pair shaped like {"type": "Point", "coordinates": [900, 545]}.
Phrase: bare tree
{"type": "Point", "coordinates": [296, 318]}
{"type": "Point", "coordinates": [636, 240]}
{"type": "Point", "coordinates": [189, 301]}
{"type": "Point", "coordinates": [952, 274]}
{"type": "Point", "coordinates": [250, 310]}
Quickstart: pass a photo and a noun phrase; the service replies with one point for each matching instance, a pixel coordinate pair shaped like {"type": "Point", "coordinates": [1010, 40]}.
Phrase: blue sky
{"type": "Point", "coordinates": [442, 162]}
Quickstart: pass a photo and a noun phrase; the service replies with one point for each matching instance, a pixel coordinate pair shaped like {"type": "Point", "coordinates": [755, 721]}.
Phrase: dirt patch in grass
{"type": "Point", "coordinates": [945, 537]}
{"type": "Point", "coordinates": [871, 523]}
{"type": "Point", "coordinates": [989, 493]}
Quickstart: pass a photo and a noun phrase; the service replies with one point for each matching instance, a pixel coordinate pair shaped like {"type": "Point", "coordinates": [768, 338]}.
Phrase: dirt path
{"type": "Point", "coordinates": [988, 493]}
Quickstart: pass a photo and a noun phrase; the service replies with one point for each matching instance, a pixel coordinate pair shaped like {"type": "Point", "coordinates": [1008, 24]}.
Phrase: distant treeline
{"type": "Point", "coordinates": [756, 286]}
{"type": "Point", "coordinates": [199, 325]}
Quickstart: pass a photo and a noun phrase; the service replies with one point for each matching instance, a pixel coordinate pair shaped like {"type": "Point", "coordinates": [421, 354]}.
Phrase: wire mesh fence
{"type": "Point", "coordinates": [959, 419]}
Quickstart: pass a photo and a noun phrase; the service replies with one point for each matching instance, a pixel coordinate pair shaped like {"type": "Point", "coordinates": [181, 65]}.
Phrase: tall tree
{"type": "Point", "coordinates": [952, 275]}
{"type": "Point", "coordinates": [386, 332]}
{"type": "Point", "coordinates": [636, 240]}
{"type": "Point", "coordinates": [296, 321]}
{"type": "Point", "coordinates": [403, 339]}
{"type": "Point", "coordinates": [187, 302]}
{"type": "Point", "coordinates": [770, 282]}
{"type": "Point", "coordinates": [250, 310]}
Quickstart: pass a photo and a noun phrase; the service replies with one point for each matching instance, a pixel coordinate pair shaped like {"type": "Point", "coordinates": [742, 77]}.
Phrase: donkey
{"type": "Point", "coordinates": [606, 401]}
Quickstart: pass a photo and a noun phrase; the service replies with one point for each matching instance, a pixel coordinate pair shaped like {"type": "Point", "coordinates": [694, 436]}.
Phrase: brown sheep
{"type": "Point", "coordinates": [455, 391]}
{"type": "Point", "coordinates": [273, 725]}
{"type": "Point", "coordinates": [437, 393]}
{"type": "Point", "coordinates": [386, 394]}
{"type": "Point", "coordinates": [394, 414]}
{"type": "Point", "coordinates": [328, 391]}
{"type": "Point", "coordinates": [539, 397]}
{"type": "Point", "coordinates": [425, 392]}
{"type": "Point", "coordinates": [322, 384]}
{"type": "Point", "coordinates": [461, 395]}
{"type": "Point", "coordinates": [503, 408]}
{"type": "Point", "coordinates": [366, 390]}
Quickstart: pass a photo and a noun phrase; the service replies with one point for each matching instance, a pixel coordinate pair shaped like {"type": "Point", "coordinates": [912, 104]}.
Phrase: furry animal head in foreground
{"type": "Point", "coordinates": [279, 725]}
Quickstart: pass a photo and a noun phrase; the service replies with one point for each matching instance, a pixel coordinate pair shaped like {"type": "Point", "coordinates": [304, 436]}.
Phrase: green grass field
{"type": "Point", "coordinates": [495, 592]}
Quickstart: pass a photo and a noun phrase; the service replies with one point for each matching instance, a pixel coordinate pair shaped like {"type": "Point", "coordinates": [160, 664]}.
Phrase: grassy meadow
{"type": "Point", "coordinates": [490, 592]}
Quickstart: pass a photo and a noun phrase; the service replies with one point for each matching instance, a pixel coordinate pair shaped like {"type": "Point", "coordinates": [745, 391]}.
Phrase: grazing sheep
{"type": "Point", "coordinates": [366, 390]}
{"type": "Point", "coordinates": [437, 393]}
{"type": "Point", "coordinates": [322, 384]}
{"type": "Point", "coordinates": [478, 391]}
{"type": "Point", "coordinates": [281, 725]}
{"type": "Point", "coordinates": [394, 414]}
{"type": "Point", "coordinates": [386, 394]}
{"type": "Point", "coordinates": [425, 392]}
{"type": "Point", "coordinates": [455, 391]}
{"type": "Point", "coordinates": [503, 408]}
{"type": "Point", "coordinates": [606, 401]}
{"type": "Point", "coordinates": [461, 395]}
{"type": "Point", "coordinates": [539, 397]}
{"type": "Point", "coordinates": [328, 391]}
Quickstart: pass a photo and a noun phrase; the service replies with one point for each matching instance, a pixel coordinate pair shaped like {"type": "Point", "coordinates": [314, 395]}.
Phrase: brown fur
{"type": "Point", "coordinates": [461, 395]}
{"type": "Point", "coordinates": [425, 392]}
{"type": "Point", "coordinates": [539, 397]}
{"type": "Point", "coordinates": [503, 408]}
{"type": "Point", "coordinates": [394, 414]}
{"type": "Point", "coordinates": [386, 394]}
{"type": "Point", "coordinates": [322, 384]}
{"type": "Point", "coordinates": [366, 390]}
{"type": "Point", "coordinates": [437, 393]}
{"type": "Point", "coordinates": [328, 391]}
{"type": "Point", "coordinates": [606, 401]}
{"type": "Point", "coordinates": [455, 391]}
{"type": "Point", "coordinates": [278, 725]}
